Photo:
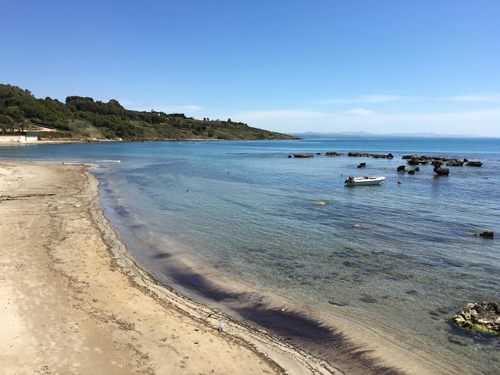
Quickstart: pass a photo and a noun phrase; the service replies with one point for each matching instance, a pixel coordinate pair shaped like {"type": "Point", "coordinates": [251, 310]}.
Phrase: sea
{"type": "Point", "coordinates": [350, 274]}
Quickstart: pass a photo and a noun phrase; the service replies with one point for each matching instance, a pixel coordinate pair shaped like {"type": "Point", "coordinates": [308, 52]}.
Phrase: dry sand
{"type": "Point", "coordinates": [73, 301]}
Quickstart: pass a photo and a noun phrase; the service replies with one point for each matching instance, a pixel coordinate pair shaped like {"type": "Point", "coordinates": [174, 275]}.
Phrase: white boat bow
{"type": "Point", "coordinates": [354, 181]}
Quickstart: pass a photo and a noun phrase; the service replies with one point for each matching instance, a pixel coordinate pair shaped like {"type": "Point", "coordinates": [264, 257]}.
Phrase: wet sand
{"type": "Point", "coordinates": [73, 301]}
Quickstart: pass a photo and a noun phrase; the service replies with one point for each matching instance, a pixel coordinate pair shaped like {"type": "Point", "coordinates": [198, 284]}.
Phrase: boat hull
{"type": "Point", "coordinates": [364, 181]}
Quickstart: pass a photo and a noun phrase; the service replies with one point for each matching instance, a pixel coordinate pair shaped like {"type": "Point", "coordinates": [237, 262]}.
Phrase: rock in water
{"type": "Point", "coordinates": [303, 155]}
{"type": "Point", "coordinates": [438, 170]}
{"type": "Point", "coordinates": [485, 234]}
{"type": "Point", "coordinates": [454, 163]}
{"type": "Point", "coordinates": [484, 316]}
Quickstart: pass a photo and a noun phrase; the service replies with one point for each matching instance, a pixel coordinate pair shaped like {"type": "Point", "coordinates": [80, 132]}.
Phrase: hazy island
{"type": "Point", "coordinates": [83, 119]}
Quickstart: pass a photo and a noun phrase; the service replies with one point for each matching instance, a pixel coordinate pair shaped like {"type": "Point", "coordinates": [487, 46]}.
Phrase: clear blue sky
{"type": "Point", "coordinates": [380, 66]}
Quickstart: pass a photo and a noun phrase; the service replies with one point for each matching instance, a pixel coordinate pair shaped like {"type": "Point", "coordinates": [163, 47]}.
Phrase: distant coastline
{"type": "Point", "coordinates": [391, 135]}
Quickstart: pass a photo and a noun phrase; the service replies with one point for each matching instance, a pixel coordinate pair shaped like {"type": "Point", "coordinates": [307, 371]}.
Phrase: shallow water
{"type": "Point", "coordinates": [402, 255]}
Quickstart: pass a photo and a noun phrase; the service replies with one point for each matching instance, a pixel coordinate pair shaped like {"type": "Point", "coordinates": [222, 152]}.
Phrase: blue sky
{"type": "Point", "coordinates": [380, 66]}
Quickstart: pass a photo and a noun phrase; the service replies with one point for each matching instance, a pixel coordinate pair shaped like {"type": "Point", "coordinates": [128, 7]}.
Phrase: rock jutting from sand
{"type": "Point", "coordinates": [483, 316]}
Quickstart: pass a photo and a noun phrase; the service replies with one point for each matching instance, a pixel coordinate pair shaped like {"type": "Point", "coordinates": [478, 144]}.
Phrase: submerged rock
{"type": "Point", "coordinates": [367, 299]}
{"type": "Point", "coordinates": [362, 165]}
{"type": "Point", "coordinates": [474, 164]}
{"type": "Point", "coordinates": [458, 340]}
{"type": "Point", "coordinates": [329, 153]}
{"type": "Point", "coordinates": [484, 316]}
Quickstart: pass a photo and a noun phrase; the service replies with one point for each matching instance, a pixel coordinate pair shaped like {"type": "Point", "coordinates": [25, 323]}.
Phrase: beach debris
{"type": "Point", "coordinates": [321, 203]}
{"type": "Point", "coordinates": [77, 205]}
{"type": "Point", "coordinates": [399, 182]}
{"type": "Point", "coordinates": [483, 316]}
{"type": "Point", "coordinates": [221, 327]}
{"type": "Point", "coordinates": [485, 234]}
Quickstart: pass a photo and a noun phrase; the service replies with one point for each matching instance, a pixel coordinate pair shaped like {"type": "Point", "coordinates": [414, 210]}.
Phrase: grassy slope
{"type": "Point", "coordinates": [83, 118]}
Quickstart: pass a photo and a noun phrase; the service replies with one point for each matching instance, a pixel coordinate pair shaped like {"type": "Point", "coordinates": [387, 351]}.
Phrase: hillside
{"type": "Point", "coordinates": [82, 118]}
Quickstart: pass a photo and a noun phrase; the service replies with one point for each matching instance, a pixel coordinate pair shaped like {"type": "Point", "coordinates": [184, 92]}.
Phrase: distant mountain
{"type": "Point", "coordinates": [82, 118]}
{"type": "Point", "coordinates": [373, 135]}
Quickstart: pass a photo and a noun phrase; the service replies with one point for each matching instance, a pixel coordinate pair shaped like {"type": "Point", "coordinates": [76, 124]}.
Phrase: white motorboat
{"type": "Point", "coordinates": [361, 181]}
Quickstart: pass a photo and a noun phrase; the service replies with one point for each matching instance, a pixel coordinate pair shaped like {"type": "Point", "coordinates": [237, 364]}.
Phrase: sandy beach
{"type": "Point", "coordinates": [73, 301]}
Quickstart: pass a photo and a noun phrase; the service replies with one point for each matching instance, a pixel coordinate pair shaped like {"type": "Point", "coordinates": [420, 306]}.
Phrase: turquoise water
{"type": "Point", "coordinates": [400, 255]}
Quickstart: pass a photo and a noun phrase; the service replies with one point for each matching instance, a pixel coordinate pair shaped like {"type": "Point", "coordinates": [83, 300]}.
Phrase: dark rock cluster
{"type": "Point", "coordinates": [419, 160]}
{"type": "Point", "coordinates": [402, 169]}
{"type": "Point", "coordinates": [438, 170]}
{"type": "Point", "coordinates": [376, 156]}
{"type": "Point", "coordinates": [303, 155]}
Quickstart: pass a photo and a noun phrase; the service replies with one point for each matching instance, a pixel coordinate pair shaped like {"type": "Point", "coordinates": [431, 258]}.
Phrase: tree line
{"type": "Point", "coordinates": [81, 117]}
